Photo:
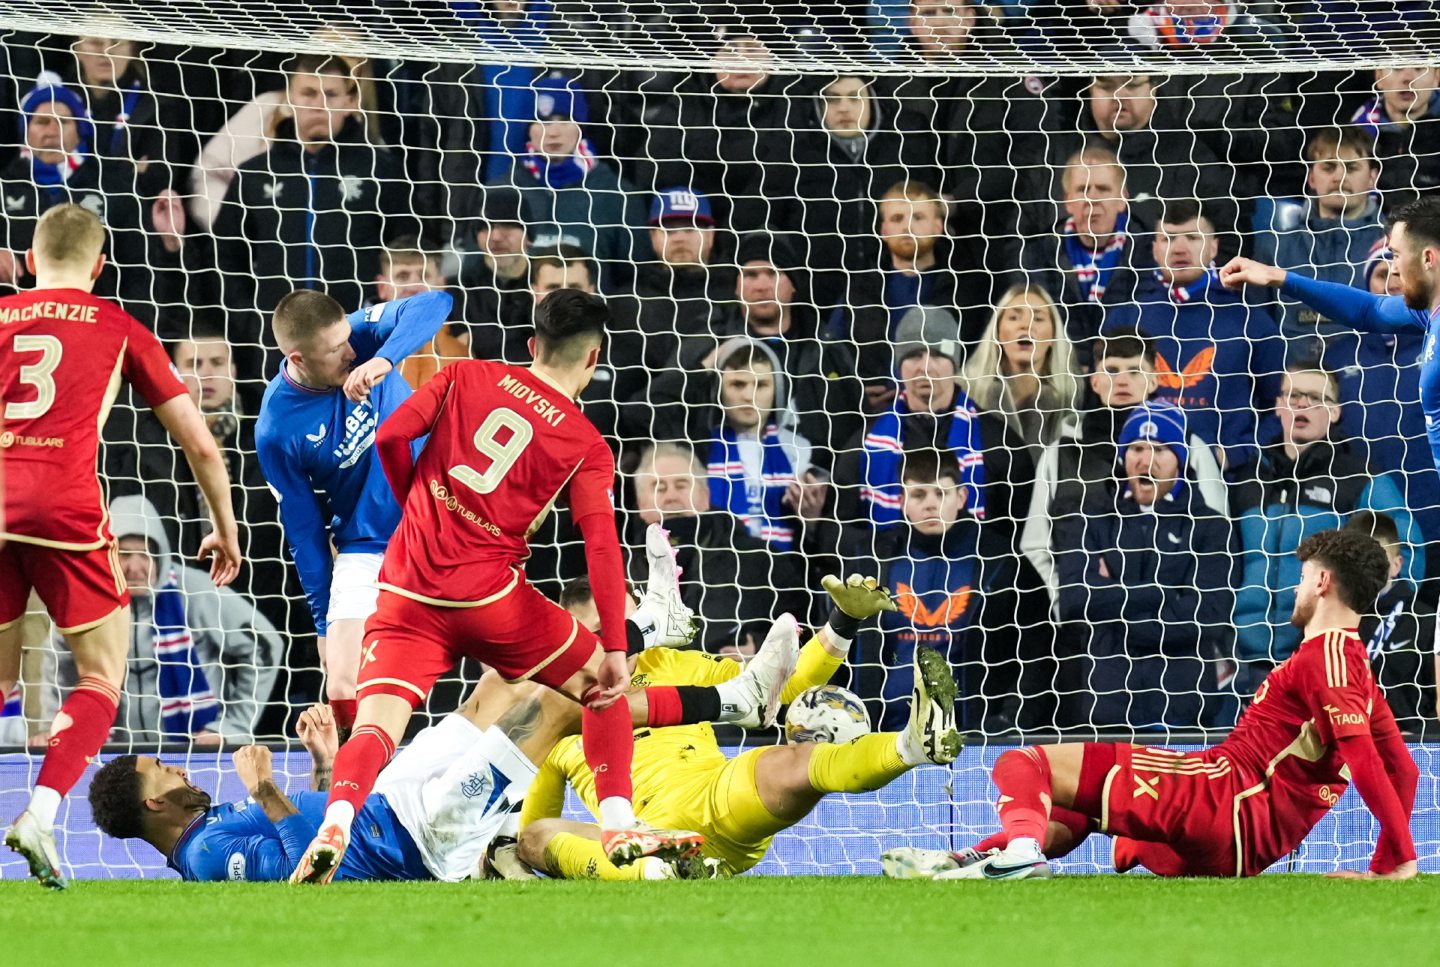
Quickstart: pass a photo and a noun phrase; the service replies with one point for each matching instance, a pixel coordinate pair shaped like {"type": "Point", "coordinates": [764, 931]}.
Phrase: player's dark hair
{"type": "Point", "coordinates": [576, 592]}
{"type": "Point", "coordinates": [1421, 219]}
{"type": "Point", "coordinates": [115, 802]}
{"type": "Point", "coordinates": [1357, 561]}
{"type": "Point", "coordinates": [568, 324]}
{"type": "Point", "coordinates": [1379, 526]}
{"type": "Point", "coordinates": [927, 466]}
{"type": "Point", "coordinates": [301, 315]}
{"type": "Point", "coordinates": [1123, 343]}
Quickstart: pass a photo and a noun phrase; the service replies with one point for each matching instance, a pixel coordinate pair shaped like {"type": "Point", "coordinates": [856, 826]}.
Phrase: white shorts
{"type": "Point", "coordinates": [455, 788]}
{"type": "Point", "coordinates": [353, 591]}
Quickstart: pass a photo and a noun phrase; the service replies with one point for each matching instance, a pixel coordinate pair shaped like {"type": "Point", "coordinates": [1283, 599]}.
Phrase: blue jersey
{"type": "Point", "coordinates": [237, 841]}
{"type": "Point", "coordinates": [311, 440]}
{"type": "Point", "coordinates": [1374, 313]}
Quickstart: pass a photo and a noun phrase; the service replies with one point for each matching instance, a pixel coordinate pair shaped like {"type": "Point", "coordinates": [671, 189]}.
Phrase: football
{"type": "Point", "coordinates": [826, 713]}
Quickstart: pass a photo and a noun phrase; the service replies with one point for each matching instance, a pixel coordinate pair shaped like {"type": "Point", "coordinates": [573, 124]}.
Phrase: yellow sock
{"type": "Point", "coordinates": [815, 667]}
{"type": "Point", "coordinates": [577, 858]}
{"type": "Point", "coordinates": [861, 765]}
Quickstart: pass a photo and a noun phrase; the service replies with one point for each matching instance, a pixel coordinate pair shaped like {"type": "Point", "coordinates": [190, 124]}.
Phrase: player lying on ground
{"type": "Point", "coordinates": [502, 445]}
{"type": "Point", "coordinates": [1237, 808]}
{"type": "Point", "coordinates": [436, 807]}
{"type": "Point", "coordinates": [340, 379]}
{"type": "Point", "coordinates": [63, 353]}
{"type": "Point", "coordinates": [683, 780]}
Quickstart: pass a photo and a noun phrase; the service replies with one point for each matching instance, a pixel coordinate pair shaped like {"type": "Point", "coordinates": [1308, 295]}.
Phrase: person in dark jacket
{"type": "Point", "coordinates": [57, 165]}
{"type": "Point", "coordinates": [1144, 585]}
{"type": "Point", "coordinates": [1216, 356]}
{"type": "Point", "coordinates": [314, 210]}
{"type": "Point", "coordinates": [1404, 119]}
{"type": "Point", "coordinates": [1302, 482]}
{"type": "Point", "coordinates": [133, 118]}
{"type": "Point", "coordinates": [737, 584]}
{"type": "Point", "coordinates": [1094, 258]}
{"type": "Point", "coordinates": [493, 278]}
{"type": "Point", "coordinates": [919, 266]}
{"type": "Point", "coordinates": [1398, 645]}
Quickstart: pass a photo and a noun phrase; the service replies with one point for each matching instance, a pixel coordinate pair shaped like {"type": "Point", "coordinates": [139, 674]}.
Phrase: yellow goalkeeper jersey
{"type": "Point", "coordinates": [668, 759]}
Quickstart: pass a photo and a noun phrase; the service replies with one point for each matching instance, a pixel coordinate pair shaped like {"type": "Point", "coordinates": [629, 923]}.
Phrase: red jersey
{"type": "Point", "coordinates": [63, 353]}
{"type": "Point", "coordinates": [1284, 748]}
{"type": "Point", "coordinates": [503, 446]}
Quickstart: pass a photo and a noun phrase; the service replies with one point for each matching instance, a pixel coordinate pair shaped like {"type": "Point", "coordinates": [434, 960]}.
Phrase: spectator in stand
{"type": "Point", "coordinates": [203, 660]}
{"type": "Point", "coordinates": [727, 135]}
{"type": "Point", "coordinates": [57, 165]}
{"type": "Point", "coordinates": [737, 584]}
{"type": "Point", "coordinates": [1404, 119]}
{"type": "Point", "coordinates": [1095, 257]}
{"type": "Point", "coordinates": [1215, 356]}
{"type": "Point", "coordinates": [1202, 26]}
{"type": "Point", "coordinates": [408, 269]}
{"type": "Point", "coordinates": [494, 279]}
{"type": "Point", "coordinates": [1162, 154]}
{"type": "Point", "coordinates": [1024, 369]}
{"type": "Point", "coordinates": [1144, 585]}
{"type": "Point", "coordinates": [1122, 378]}
{"type": "Point", "coordinates": [919, 266]}
{"type": "Point", "coordinates": [842, 164]}
{"type": "Point", "coordinates": [757, 460]}
{"type": "Point", "coordinates": [130, 119]}
{"type": "Point", "coordinates": [678, 300]}
{"type": "Point", "coordinates": [313, 211]}
{"type": "Point", "coordinates": [1303, 481]}
{"type": "Point", "coordinates": [138, 458]}
{"type": "Point", "coordinates": [1392, 634]}
{"type": "Point", "coordinates": [566, 189]}
{"type": "Point", "coordinates": [768, 307]}
{"type": "Point", "coordinates": [1329, 234]}
{"type": "Point", "coordinates": [932, 566]}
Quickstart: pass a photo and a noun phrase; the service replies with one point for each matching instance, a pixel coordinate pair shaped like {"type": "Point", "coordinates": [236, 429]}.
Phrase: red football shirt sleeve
{"type": "Point", "coordinates": [1399, 766]}
{"type": "Point", "coordinates": [592, 504]}
{"type": "Point", "coordinates": [1368, 775]}
{"type": "Point", "coordinates": [1341, 686]}
{"type": "Point", "coordinates": [147, 367]}
{"type": "Point", "coordinates": [410, 421]}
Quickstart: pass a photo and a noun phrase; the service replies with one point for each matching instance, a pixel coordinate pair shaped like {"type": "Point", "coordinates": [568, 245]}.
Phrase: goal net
{"type": "Point", "coordinates": [928, 292]}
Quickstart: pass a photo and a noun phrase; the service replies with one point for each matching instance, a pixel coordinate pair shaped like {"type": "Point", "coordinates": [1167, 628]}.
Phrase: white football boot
{"type": "Point", "coordinates": [662, 616]}
{"type": "Point", "coordinates": [28, 838]}
{"type": "Point", "coordinates": [1021, 860]}
{"type": "Point", "coordinates": [752, 698]}
{"type": "Point", "coordinates": [914, 863]}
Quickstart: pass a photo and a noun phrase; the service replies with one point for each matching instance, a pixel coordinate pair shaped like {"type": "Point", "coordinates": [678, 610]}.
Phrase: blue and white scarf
{"type": "Point", "coordinates": [757, 503]}
{"type": "Point", "coordinates": [187, 703]}
{"type": "Point", "coordinates": [1372, 118]}
{"type": "Point", "coordinates": [1180, 294]}
{"type": "Point", "coordinates": [1093, 269]}
{"type": "Point", "coordinates": [560, 174]}
{"type": "Point", "coordinates": [883, 453]}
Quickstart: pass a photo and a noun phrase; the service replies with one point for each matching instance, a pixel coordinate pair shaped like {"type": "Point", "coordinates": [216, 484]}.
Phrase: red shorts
{"type": "Point", "coordinates": [79, 588]}
{"type": "Point", "coordinates": [524, 636]}
{"type": "Point", "coordinates": [1172, 812]}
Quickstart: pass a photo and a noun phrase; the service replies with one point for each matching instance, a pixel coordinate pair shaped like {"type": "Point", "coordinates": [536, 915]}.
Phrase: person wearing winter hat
{"type": "Point", "coordinates": [1144, 586]}
{"type": "Point", "coordinates": [570, 192]}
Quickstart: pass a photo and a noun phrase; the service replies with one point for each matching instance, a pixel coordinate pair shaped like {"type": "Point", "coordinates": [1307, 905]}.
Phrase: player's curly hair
{"type": "Point", "coordinates": [1356, 559]}
{"type": "Point", "coordinates": [115, 799]}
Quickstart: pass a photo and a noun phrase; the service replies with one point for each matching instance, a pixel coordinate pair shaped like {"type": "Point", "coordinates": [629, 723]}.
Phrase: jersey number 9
{"type": "Point", "coordinates": [502, 455]}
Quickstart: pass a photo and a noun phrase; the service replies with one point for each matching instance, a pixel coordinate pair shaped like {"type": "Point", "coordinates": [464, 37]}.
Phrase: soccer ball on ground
{"type": "Point", "coordinates": [826, 713]}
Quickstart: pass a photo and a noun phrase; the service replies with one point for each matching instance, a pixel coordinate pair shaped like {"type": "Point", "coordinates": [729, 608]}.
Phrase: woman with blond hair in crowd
{"type": "Point", "coordinates": [1024, 368]}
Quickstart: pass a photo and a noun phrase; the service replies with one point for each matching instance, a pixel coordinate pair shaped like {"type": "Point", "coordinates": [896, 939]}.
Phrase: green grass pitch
{"type": "Point", "coordinates": [749, 921]}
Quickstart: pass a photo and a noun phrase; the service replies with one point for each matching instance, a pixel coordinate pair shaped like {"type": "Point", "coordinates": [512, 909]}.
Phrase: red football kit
{"type": "Point", "coordinates": [63, 354]}
{"type": "Point", "coordinates": [502, 446]}
{"type": "Point", "coordinates": [1318, 722]}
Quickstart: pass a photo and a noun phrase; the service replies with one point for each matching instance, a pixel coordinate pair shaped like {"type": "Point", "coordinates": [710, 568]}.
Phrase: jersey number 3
{"type": "Point", "coordinates": [38, 374]}
{"type": "Point", "coordinates": [502, 455]}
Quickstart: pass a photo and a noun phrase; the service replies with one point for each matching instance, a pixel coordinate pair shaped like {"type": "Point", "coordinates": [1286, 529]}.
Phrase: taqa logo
{"type": "Point", "coordinates": [1338, 717]}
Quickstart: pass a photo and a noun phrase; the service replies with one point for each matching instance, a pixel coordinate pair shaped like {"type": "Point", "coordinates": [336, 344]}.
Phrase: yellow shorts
{"type": "Point", "coordinates": [725, 806]}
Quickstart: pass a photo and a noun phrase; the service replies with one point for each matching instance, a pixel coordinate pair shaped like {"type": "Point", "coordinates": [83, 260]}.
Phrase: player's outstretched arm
{"type": "Point", "coordinates": [187, 427]}
{"type": "Point", "coordinates": [412, 420]}
{"type": "Point", "coordinates": [592, 505]}
{"type": "Point", "coordinates": [1395, 850]}
{"type": "Point", "coordinates": [1342, 303]}
{"type": "Point", "coordinates": [384, 335]}
{"type": "Point", "coordinates": [319, 735]}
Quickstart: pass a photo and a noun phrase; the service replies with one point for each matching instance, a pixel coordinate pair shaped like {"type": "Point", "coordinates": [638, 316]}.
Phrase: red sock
{"type": "Point", "coordinates": [664, 706]}
{"type": "Point", "coordinates": [91, 711]}
{"type": "Point", "coordinates": [1023, 778]}
{"type": "Point", "coordinates": [993, 841]}
{"type": "Point", "coordinates": [357, 764]}
{"type": "Point", "coordinates": [609, 741]}
{"type": "Point", "coordinates": [344, 711]}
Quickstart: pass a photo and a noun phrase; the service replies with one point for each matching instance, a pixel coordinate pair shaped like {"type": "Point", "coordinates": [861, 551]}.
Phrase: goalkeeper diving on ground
{"type": "Point", "coordinates": [458, 787]}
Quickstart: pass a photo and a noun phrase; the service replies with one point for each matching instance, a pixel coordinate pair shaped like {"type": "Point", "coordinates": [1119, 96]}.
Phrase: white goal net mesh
{"type": "Point", "coordinates": [924, 291]}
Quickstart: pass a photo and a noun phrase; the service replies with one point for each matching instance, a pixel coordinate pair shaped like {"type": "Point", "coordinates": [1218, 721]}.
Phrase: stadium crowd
{"type": "Point", "coordinates": [966, 332]}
